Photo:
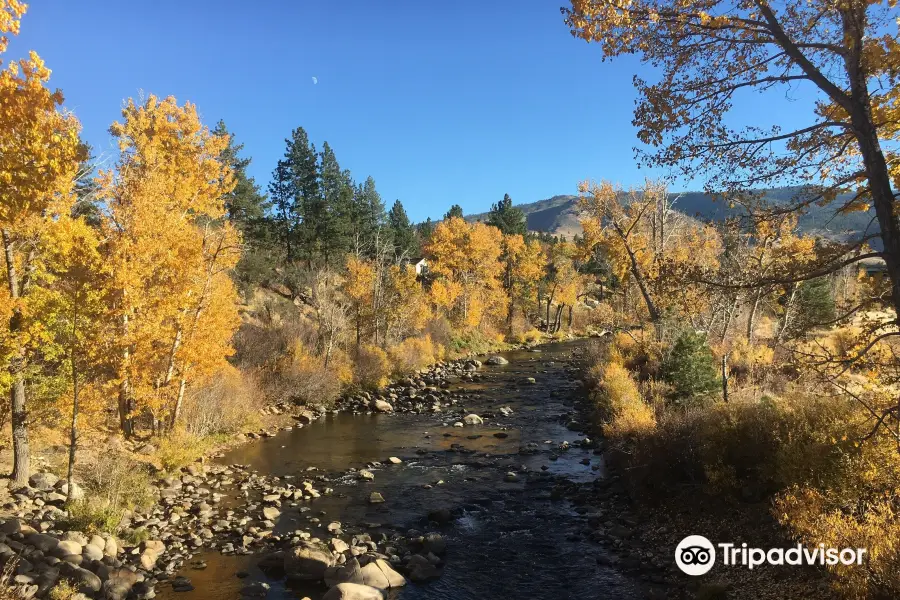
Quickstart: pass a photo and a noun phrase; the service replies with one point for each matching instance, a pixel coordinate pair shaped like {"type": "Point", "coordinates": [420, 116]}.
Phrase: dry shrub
{"type": "Point", "coordinates": [180, 448]}
{"type": "Point", "coordinates": [813, 519]}
{"type": "Point", "coordinates": [639, 351]}
{"type": "Point", "coordinates": [307, 377]}
{"type": "Point", "coordinates": [747, 361]}
{"type": "Point", "coordinates": [227, 402]}
{"type": "Point", "coordinates": [440, 331]}
{"type": "Point", "coordinates": [750, 449]}
{"type": "Point", "coordinates": [372, 368]}
{"type": "Point", "coordinates": [415, 353]}
{"type": "Point", "coordinates": [113, 483]}
{"type": "Point", "coordinates": [621, 405]}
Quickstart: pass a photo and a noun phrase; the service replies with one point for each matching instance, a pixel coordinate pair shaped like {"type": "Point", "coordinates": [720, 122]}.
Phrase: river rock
{"type": "Point", "coordinates": [393, 578]}
{"type": "Point", "coordinates": [383, 406]}
{"type": "Point", "coordinates": [43, 542]}
{"type": "Point", "coordinates": [67, 548]}
{"type": "Point", "coordinates": [349, 572]}
{"type": "Point", "coordinates": [270, 513]}
{"type": "Point", "coordinates": [77, 490]}
{"type": "Point", "coordinates": [92, 552]}
{"type": "Point", "coordinates": [394, 460]}
{"type": "Point", "coordinates": [43, 481]}
{"type": "Point", "coordinates": [473, 419]}
{"type": "Point", "coordinates": [420, 568]}
{"type": "Point", "coordinates": [308, 561]}
{"type": "Point", "coordinates": [87, 582]}
{"type": "Point", "coordinates": [255, 589]}
{"type": "Point", "coordinates": [119, 583]}
{"type": "Point", "coordinates": [366, 475]}
{"type": "Point", "coordinates": [339, 545]}
{"type": "Point", "coordinates": [496, 360]}
{"type": "Point", "coordinates": [441, 516]}
{"type": "Point", "coordinates": [353, 591]}
{"type": "Point", "coordinates": [376, 498]}
{"type": "Point", "coordinates": [435, 543]}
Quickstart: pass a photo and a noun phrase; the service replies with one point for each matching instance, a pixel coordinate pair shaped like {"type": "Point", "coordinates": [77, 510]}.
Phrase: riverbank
{"type": "Point", "coordinates": [649, 527]}
{"type": "Point", "coordinates": [232, 507]}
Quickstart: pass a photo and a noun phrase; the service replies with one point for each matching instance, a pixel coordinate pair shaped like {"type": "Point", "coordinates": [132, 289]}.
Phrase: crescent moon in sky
{"type": "Point", "coordinates": [315, 80]}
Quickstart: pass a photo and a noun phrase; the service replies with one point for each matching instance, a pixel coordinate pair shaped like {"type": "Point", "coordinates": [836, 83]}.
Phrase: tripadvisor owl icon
{"type": "Point", "coordinates": [695, 555]}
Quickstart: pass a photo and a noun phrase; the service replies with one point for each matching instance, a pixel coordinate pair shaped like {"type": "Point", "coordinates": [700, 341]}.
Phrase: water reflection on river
{"type": "Point", "coordinates": [510, 540]}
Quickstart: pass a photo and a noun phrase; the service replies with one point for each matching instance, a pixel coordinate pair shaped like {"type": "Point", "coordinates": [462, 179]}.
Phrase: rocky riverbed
{"type": "Point", "coordinates": [480, 484]}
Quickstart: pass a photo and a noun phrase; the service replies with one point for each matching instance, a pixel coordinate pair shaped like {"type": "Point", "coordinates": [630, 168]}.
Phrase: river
{"type": "Point", "coordinates": [508, 538]}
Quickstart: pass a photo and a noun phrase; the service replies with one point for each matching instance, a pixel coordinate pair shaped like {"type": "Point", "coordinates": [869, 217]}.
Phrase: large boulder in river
{"type": "Point", "coordinates": [383, 406]}
{"type": "Point", "coordinates": [473, 419]}
{"type": "Point", "coordinates": [353, 591]}
{"type": "Point", "coordinates": [496, 360]}
{"type": "Point", "coordinates": [308, 561]}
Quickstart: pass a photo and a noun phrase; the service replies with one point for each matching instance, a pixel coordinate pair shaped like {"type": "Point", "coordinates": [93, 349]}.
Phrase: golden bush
{"type": "Point", "coordinates": [372, 368]}
{"type": "Point", "coordinates": [415, 353]}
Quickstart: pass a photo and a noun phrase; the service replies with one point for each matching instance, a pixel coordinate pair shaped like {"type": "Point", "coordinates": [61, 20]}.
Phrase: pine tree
{"type": "Point", "coordinates": [307, 211]}
{"type": "Point", "coordinates": [331, 217]}
{"type": "Point", "coordinates": [424, 230]}
{"type": "Point", "coordinates": [507, 218]}
{"type": "Point", "coordinates": [245, 205]}
{"type": "Point", "coordinates": [368, 218]}
{"type": "Point", "coordinates": [403, 233]}
{"type": "Point", "coordinates": [284, 218]}
{"type": "Point", "coordinates": [455, 211]}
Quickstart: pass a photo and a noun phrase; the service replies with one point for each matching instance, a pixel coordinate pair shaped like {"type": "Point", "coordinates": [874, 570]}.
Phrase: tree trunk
{"type": "Point", "coordinates": [788, 314]}
{"type": "Point", "coordinates": [179, 401]}
{"type": "Point", "coordinates": [725, 378]}
{"type": "Point", "coordinates": [547, 323]}
{"type": "Point", "coordinates": [569, 324]}
{"type": "Point", "coordinates": [751, 318]}
{"type": "Point", "coordinates": [873, 159]}
{"type": "Point", "coordinates": [18, 414]}
{"type": "Point", "coordinates": [557, 322]}
{"type": "Point", "coordinates": [125, 419]}
{"type": "Point", "coordinates": [73, 431]}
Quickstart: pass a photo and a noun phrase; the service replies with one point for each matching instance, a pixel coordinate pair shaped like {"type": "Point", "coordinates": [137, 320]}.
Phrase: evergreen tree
{"type": "Point", "coordinates": [424, 231]}
{"type": "Point", "coordinates": [307, 211]}
{"type": "Point", "coordinates": [245, 205]}
{"type": "Point", "coordinates": [87, 202]}
{"type": "Point", "coordinates": [455, 211]}
{"type": "Point", "coordinates": [402, 232]}
{"type": "Point", "coordinates": [814, 306]}
{"type": "Point", "coordinates": [691, 367]}
{"type": "Point", "coordinates": [284, 218]}
{"type": "Point", "coordinates": [368, 218]}
{"type": "Point", "coordinates": [507, 218]}
{"type": "Point", "coordinates": [332, 217]}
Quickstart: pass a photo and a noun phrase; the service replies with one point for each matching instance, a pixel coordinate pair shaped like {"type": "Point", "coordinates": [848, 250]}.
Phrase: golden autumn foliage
{"type": "Point", "coordinates": [465, 260]}
{"type": "Point", "coordinates": [11, 12]}
{"type": "Point", "coordinates": [39, 156]}
{"type": "Point", "coordinates": [171, 253]}
{"type": "Point", "coordinates": [647, 243]}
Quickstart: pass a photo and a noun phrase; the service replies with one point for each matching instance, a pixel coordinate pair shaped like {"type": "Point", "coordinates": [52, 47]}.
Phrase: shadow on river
{"type": "Point", "coordinates": [509, 540]}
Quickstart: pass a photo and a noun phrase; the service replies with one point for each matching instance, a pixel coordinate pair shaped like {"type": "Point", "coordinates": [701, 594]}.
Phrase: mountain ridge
{"type": "Point", "coordinates": [558, 215]}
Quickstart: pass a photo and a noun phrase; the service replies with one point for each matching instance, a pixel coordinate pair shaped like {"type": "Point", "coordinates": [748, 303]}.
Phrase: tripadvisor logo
{"type": "Point", "coordinates": [696, 555]}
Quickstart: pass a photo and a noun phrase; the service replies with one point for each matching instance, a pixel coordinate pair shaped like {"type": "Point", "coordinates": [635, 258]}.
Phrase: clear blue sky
{"type": "Point", "coordinates": [442, 103]}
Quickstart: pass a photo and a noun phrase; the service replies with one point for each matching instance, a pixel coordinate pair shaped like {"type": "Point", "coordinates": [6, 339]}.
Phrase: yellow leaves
{"type": "Point", "coordinates": [465, 259]}
{"type": "Point", "coordinates": [39, 146]}
{"type": "Point", "coordinates": [11, 12]}
{"type": "Point", "coordinates": [170, 248]}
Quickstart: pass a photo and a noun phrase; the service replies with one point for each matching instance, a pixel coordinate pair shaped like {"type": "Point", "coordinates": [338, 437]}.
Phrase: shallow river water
{"type": "Point", "coordinates": [508, 539]}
